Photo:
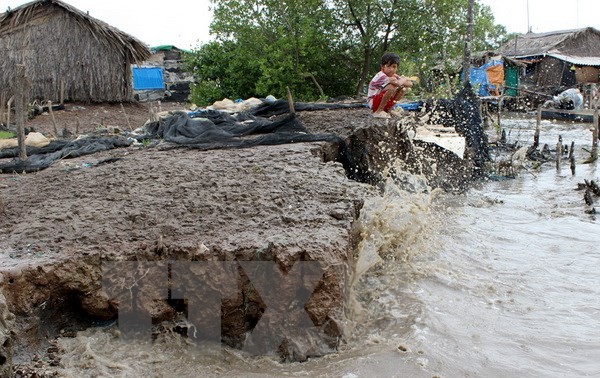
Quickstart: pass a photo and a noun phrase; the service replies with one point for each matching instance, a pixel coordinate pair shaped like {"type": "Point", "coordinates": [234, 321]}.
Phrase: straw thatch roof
{"type": "Point", "coordinates": [578, 42]}
{"type": "Point", "coordinates": [63, 47]}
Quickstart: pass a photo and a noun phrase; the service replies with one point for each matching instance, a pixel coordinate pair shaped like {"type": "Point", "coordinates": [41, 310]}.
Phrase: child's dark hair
{"type": "Point", "coordinates": [390, 58]}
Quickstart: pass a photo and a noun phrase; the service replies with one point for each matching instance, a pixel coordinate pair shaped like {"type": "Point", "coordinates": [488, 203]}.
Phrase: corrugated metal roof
{"type": "Point", "coordinates": [578, 60]}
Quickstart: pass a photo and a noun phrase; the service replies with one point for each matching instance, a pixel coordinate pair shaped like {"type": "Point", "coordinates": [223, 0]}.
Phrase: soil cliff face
{"type": "Point", "coordinates": [7, 320]}
{"type": "Point", "coordinates": [278, 203]}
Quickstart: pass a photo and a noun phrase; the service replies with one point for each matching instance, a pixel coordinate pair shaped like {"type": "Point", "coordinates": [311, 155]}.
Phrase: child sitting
{"type": "Point", "coordinates": [387, 87]}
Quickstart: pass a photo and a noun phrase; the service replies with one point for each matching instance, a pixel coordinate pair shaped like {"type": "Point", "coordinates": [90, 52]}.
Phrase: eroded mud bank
{"type": "Point", "coordinates": [285, 204]}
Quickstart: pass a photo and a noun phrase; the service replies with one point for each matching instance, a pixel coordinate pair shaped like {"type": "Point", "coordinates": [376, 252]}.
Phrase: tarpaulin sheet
{"type": "Point", "coordinates": [146, 78]}
{"type": "Point", "coordinates": [495, 74]}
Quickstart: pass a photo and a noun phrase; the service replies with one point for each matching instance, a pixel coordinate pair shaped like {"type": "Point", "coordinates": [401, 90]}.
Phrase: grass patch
{"type": "Point", "coordinates": [6, 134]}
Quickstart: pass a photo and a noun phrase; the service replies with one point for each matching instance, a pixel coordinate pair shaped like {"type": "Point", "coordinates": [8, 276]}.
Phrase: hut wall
{"type": "Point", "coordinates": [552, 72]}
{"type": "Point", "coordinates": [54, 45]}
{"type": "Point", "coordinates": [586, 74]}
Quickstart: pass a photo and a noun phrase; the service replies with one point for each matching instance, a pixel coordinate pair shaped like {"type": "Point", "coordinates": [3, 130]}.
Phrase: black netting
{"type": "Point", "coordinates": [208, 130]}
{"type": "Point", "coordinates": [462, 112]}
{"type": "Point", "coordinates": [79, 147]}
{"type": "Point", "coordinates": [53, 146]}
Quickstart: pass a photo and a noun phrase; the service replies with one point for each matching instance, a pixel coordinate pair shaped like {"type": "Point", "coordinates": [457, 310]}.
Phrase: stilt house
{"type": "Point", "coordinates": [557, 59]}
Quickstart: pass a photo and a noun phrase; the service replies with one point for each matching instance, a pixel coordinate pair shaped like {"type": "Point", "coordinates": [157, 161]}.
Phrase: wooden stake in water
{"type": "Point", "coordinates": [572, 157]}
{"type": "Point", "coordinates": [595, 130]}
{"type": "Point", "coordinates": [538, 126]}
{"type": "Point", "coordinates": [559, 148]}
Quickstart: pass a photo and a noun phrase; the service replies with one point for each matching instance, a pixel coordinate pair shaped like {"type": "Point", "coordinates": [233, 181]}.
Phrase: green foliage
{"type": "Point", "coordinates": [6, 134]}
{"type": "Point", "coordinates": [263, 46]}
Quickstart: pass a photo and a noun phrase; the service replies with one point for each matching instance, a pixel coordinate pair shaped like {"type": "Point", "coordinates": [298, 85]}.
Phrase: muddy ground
{"type": "Point", "coordinates": [82, 118]}
{"type": "Point", "coordinates": [283, 203]}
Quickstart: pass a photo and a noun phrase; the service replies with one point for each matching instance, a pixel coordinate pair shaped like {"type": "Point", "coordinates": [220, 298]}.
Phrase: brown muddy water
{"type": "Point", "coordinates": [502, 281]}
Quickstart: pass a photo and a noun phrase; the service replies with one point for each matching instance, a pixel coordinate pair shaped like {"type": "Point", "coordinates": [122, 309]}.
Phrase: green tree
{"type": "Point", "coordinates": [264, 46]}
{"type": "Point", "coordinates": [373, 25]}
{"type": "Point", "coordinates": [328, 47]}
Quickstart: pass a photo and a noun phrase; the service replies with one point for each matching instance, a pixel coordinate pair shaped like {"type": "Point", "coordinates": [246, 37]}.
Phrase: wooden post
{"type": "Point", "coordinates": [559, 148]}
{"type": "Point", "coordinates": [500, 105]}
{"type": "Point", "coordinates": [538, 126]}
{"type": "Point", "coordinates": [2, 102]}
{"type": "Point", "coordinates": [9, 105]}
{"type": "Point", "coordinates": [126, 117]}
{"type": "Point", "coordinates": [153, 112]}
{"type": "Point", "coordinates": [290, 101]}
{"type": "Point", "coordinates": [595, 130]}
{"type": "Point", "coordinates": [53, 119]}
{"type": "Point", "coordinates": [20, 109]}
{"type": "Point", "coordinates": [62, 91]}
{"type": "Point", "coordinates": [572, 157]}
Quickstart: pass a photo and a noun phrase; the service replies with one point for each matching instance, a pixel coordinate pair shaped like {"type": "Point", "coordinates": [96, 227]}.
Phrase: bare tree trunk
{"type": "Point", "coordinates": [468, 40]}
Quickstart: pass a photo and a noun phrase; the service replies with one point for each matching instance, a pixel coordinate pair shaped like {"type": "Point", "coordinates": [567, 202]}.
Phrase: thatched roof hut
{"type": "Point", "coordinates": [559, 58]}
{"type": "Point", "coordinates": [66, 50]}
